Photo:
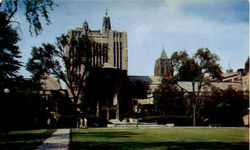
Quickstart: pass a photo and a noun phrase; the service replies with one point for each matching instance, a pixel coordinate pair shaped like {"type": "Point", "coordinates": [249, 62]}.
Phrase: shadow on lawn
{"type": "Point", "coordinates": [23, 141]}
{"type": "Point", "coordinates": [157, 145]}
{"type": "Point", "coordinates": [20, 146]}
{"type": "Point", "coordinates": [74, 145]}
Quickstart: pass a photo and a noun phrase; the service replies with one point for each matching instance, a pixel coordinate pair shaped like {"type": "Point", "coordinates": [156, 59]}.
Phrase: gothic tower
{"type": "Point", "coordinates": [106, 26]}
{"type": "Point", "coordinates": [116, 51]}
{"type": "Point", "coordinates": [162, 64]}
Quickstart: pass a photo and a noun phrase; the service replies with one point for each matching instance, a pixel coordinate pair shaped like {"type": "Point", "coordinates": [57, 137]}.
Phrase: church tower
{"type": "Point", "coordinates": [111, 46]}
{"type": "Point", "coordinates": [106, 25]}
{"type": "Point", "coordinates": [162, 64]}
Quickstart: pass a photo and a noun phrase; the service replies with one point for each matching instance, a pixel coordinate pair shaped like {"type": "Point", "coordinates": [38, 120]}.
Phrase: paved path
{"type": "Point", "coordinates": [59, 140]}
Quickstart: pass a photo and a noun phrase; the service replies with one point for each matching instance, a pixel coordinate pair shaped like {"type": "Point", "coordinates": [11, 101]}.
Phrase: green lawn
{"type": "Point", "coordinates": [25, 139]}
{"type": "Point", "coordinates": [170, 138]}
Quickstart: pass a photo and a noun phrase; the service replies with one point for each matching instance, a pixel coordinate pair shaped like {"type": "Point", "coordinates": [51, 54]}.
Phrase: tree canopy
{"type": "Point", "coordinates": [35, 10]}
{"type": "Point", "coordinates": [199, 70]}
{"type": "Point", "coordinates": [9, 51]}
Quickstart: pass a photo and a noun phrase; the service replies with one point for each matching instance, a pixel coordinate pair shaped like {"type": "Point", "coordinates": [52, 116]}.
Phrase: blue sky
{"type": "Point", "coordinates": [220, 25]}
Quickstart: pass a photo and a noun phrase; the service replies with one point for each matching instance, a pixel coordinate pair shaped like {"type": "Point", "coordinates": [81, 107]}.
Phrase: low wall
{"type": "Point", "coordinates": [140, 125]}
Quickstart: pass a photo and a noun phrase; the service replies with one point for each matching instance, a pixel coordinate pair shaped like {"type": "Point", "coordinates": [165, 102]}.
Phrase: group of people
{"type": "Point", "coordinates": [83, 123]}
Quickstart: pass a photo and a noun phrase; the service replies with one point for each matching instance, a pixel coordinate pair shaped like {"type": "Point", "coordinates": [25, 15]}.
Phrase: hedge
{"type": "Point", "coordinates": [177, 120]}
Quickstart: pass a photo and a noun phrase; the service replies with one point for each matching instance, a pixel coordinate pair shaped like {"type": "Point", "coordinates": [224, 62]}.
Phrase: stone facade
{"type": "Point", "coordinates": [162, 64]}
{"type": "Point", "coordinates": [116, 53]}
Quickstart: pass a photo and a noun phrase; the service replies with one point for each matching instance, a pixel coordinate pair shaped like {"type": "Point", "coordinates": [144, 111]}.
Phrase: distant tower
{"type": "Point", "coordinates": [162, 64]}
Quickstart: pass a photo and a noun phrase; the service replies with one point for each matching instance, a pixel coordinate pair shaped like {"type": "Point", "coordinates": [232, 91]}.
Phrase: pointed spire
{"type": "Point", "coordinates": [106, 25]}
{"type": "Point", "coordinates": [106, 12]}
{"type": "Point", "coordinates": [85, 26]}
{"type": "Point", "coordinates": [163, 53]}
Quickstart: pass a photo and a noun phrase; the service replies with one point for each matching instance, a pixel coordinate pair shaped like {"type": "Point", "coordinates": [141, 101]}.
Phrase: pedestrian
{"type": "Point", "coordinates": [85, 123]}
{"type": "Point", "coordinates": [48, 123]}
{"type": "Point", "coordinates": [81, 123]}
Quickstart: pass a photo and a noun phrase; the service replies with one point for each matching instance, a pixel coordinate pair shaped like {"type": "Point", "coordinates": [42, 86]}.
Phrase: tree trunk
{"type": "Point", "coordinates": [194, 112]}
{"type": "Point", "coordinates": [75, 111]}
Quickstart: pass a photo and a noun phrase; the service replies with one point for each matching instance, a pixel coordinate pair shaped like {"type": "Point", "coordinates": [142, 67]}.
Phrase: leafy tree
{"type": "Point", "coordinates": [69, 60]}
{"type": "Point", "coordinates": [35, 10]}
{"type": "Point", "coordinates": [169, 99]}
{"type": "Point", "coordinates": [199, 70]}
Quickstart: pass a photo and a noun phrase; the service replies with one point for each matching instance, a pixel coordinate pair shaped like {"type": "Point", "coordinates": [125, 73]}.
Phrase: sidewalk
{"type": "Point", "coordinates": [59, 140]}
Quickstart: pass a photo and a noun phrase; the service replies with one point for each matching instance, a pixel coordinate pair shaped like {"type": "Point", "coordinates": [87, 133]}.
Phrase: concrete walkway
{"type": "Point", "coordinates": [59, 140]}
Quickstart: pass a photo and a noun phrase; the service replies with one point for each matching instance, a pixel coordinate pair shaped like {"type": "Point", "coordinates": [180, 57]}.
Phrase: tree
{"type": "Point", "coordinates": [9, 51]}
{"type": "Point", "coordinates": [138, 89]}
{"type": "Point", "coordinates": [168, 99]}
{"type": "Point", "coordinates": [225, 107]}
{"type": "Point", "coordinates": [199, 70]}
{"type": "Point", "coordinates": [35, 10]}
{"type": "Point", "coordinates": [69, 60]}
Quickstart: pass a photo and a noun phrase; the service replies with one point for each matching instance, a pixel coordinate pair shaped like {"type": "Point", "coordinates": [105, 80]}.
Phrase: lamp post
{"type": "Point", "coordinates": [6, 91]}
{"type": "Point", "coordinates": [47, 120]}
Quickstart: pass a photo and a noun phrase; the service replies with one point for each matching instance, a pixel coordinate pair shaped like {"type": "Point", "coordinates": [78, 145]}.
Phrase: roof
{"type": "Point", "coordinates": [151, 80]}
{"type": "Point", "coordinates": [225, 85]}
{"type": "Point", "coordinates": [156, 80]}
{"type": "Point", "coordinates": [230, 74]}
{"type": "Point", "coordinates": [220, 85]}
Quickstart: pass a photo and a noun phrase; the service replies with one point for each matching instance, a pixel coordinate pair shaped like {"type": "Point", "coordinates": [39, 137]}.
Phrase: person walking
{"type": "Point", "coordinates": [85, 123]}
{"type": "Point", "coordinates": [81, 123]}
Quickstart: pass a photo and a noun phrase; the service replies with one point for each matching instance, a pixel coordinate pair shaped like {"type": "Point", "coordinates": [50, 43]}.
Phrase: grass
{"type": "Point", "coordinates": [24, 139]}
{"type": "Point", "coordinates": [160, 139]}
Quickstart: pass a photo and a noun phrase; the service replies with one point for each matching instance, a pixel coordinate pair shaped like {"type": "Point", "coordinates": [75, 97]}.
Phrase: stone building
{"type": "Point", "coordinates": [116, 53]}
{"type": "Point", "coordinates": [162, 64]}
{"type": "Point", "coordinates": [110, 54]}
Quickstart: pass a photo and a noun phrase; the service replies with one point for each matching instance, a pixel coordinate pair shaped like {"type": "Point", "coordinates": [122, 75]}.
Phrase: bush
{"type": "Point", "coordinates": [94, 121]}
{"type": "Point", "coordinates": [177, 120]}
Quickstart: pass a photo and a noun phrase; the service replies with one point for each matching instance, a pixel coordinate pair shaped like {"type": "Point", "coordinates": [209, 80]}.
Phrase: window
{"type": "Point", "coordinates": [117, 43]}
{"type": "Point", "coordinates": [121, 55]}
{"type": "Point", "coordinates": [114, 47]}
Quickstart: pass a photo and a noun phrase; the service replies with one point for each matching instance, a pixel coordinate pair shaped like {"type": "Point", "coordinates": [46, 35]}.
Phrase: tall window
{"type": "Point", "coordinates": [114, 47]}
{"type": "Point", "coordinates": [106, 52]}
{"type": "Point", "coordinates": [121, 55]}
{"type": "Point", "coordinates": [117, 55]}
